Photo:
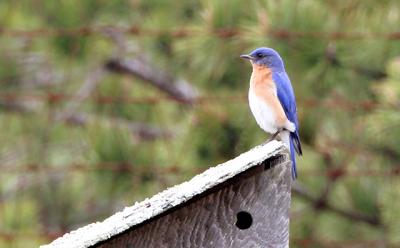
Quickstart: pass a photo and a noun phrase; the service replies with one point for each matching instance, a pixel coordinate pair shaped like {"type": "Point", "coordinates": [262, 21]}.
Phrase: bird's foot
{"type": "Point", "coordinates": [273, 136]}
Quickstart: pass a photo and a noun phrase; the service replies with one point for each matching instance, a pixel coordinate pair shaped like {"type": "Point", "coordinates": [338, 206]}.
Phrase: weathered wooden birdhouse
{"type": "Point", "coordinates": [241, 203]}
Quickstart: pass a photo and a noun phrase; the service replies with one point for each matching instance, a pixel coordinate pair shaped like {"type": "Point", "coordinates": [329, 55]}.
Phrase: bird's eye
{"type": "Point", "coordinates": [260, 55]}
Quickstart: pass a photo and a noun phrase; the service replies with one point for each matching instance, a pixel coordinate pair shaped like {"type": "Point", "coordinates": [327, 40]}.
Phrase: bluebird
{"type": "Point", "coordinates": [272, 100]}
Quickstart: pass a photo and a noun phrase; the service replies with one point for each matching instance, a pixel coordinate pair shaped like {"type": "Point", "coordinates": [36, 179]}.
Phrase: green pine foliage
{"type": "Point", "coordinates": [56, 176]}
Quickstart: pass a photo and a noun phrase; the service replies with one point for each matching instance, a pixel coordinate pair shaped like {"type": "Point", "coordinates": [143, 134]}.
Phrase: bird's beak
{"type": "Point", "coordinates": [246, 56]}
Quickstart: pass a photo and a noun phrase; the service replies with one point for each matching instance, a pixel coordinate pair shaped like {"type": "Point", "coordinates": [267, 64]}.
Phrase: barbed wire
{"type": "Point", "coordinates": [327, 243]}
{"type": "Point", "coordinates": [15, 97]}
{"type": "Point", "coordinates": [303, 242]}
{"type": "Point", "coordinates": [102, 99]}
{"type": "Point", "coordinates": [13, 236]}
{"type": "Point", "coordinates": [117, 167]}
{"type": "Point", "coordinates": [109, 166]}
{"type": "Point", "coordinates": [190, 32]}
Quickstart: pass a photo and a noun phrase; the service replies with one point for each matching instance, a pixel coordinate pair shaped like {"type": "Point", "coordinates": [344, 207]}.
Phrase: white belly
{"type": "Point", "coordinates": [263, 113]}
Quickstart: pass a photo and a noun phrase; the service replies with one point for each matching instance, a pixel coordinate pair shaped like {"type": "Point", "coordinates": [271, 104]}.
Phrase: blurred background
{"type": "Point", "coordinates": [104, 103]}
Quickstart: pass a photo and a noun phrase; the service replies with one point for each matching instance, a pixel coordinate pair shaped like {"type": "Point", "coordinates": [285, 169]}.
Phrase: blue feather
{"type": "Point", "coordinates": [293, 158]}
{"type": "Point", "coordinates": [288, 101]}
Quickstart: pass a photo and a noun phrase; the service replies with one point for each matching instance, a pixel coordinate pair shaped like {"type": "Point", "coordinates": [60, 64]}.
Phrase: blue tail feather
{"type": "Point", "coordinates": [293, 157]}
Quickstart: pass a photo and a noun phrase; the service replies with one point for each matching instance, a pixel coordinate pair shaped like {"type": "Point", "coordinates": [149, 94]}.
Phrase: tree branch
{"type": "Point", "coordinates": [355, 216]}
{"type": "Point", "coordinates": [15, 107]}
{"type": "Point", "coordinates": [146, 71]}
{"type": "Point", "coordinates": [84, 92]}
{"type": "Point", "coordinates": [142, 131]}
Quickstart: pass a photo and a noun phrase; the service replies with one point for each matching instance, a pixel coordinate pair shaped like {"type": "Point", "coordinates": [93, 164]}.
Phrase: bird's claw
{"type": "Point", "coordinates": [273, 136]}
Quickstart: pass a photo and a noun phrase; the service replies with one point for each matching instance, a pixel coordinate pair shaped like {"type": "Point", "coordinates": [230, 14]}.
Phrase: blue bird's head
{"type": "Point", "coordinates": [265, 56]}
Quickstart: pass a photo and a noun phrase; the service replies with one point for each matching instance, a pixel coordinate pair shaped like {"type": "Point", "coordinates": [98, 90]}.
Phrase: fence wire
{"type": "Point", "coordinates": [15, 97]}
{"type": "Point", "coordinates": [119, 167]}
{"type": "Point", "coordinates": [187, 33]}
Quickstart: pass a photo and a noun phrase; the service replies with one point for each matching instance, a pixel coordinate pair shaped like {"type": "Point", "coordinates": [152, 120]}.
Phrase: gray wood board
{"type": "Point", "coordinates": [209, 220]}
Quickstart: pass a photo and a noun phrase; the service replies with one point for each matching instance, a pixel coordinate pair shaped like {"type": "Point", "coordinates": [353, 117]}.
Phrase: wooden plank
{"type": "Point", "coordinates": [249, 210]}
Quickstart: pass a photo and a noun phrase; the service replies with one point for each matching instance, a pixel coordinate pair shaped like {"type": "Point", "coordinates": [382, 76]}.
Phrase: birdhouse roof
{"type": "Point", "coordinates": [168, 199]}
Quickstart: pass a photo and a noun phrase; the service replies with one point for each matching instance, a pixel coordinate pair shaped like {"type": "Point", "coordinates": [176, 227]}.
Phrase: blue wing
{"type": "Point", "coordinates": [288, 101]}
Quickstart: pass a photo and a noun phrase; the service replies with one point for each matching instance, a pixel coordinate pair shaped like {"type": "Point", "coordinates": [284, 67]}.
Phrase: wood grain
{"type": "Point", "coordinates": [209, 219]}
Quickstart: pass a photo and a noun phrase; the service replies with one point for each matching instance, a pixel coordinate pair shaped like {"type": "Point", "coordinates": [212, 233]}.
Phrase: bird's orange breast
{"type": "Point", "coordinates": [263, 86]}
